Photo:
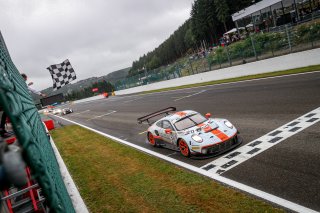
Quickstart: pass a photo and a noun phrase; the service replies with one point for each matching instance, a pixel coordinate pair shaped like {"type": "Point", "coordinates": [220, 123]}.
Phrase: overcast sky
{"type": "Point", "coordinates": [97, 36]}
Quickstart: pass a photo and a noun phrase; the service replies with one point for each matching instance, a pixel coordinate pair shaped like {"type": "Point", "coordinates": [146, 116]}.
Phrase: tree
{"type": "Point", "coordinates": [154, 63]}
{"type": "Point", "coordinates": [208, 21]}
{"type": "Point", "coordinates": [222, 10]}
{"type": "Point", "coordinates": [189, 39]}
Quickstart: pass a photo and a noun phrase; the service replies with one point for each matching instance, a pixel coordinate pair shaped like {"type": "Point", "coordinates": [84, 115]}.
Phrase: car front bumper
{"type": "Point", "coordinates": [217, 149]}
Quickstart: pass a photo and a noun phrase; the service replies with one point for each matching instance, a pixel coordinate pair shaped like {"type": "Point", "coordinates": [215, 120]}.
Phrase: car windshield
{"type": "Point", "coordinates": [189, 121]}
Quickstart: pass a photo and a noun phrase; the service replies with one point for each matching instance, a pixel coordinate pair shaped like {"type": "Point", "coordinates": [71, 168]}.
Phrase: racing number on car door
{"type": "Point", "coordinates": [167, 137]}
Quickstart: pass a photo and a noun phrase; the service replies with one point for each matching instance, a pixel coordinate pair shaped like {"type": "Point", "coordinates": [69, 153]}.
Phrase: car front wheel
{"type": "Point", "coordinates": [184, 149]}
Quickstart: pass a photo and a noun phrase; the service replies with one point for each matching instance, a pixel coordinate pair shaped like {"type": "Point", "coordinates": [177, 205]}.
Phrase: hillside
{"type": "Point", "coordinates": [116, 75]}
{"type": "Point", "coordinates": [111, 77]}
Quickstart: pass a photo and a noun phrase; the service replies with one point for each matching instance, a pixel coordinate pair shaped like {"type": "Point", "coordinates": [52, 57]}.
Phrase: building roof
{"type": "Point", "coordinates": [253, 8]}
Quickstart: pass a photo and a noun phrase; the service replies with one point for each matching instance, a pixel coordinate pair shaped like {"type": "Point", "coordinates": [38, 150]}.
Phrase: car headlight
{"type": "Point", "coordinates": [197, 138]}
{"type": "Point", "coordinates": [228, 124]}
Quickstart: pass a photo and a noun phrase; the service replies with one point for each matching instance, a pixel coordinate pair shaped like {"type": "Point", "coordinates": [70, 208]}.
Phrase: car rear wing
{"type": "Point", "coordinates": [154, 114]}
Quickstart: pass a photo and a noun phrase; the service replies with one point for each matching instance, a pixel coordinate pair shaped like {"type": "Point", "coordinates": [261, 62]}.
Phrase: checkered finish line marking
{"type": "Point", "coordinates": [263, 143]}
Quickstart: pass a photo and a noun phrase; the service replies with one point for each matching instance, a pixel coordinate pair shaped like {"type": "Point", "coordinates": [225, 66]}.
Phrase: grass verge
{"type": "Point", "coordinates": [115, 178]}
{"type": "Point", "coordinates": [249, 77]}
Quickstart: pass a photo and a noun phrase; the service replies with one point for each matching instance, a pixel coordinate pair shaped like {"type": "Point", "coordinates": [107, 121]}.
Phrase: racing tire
{"type": "Point", "coordinates": [184, 149]}
{"type": "Point", "coordinates": [151, 139]}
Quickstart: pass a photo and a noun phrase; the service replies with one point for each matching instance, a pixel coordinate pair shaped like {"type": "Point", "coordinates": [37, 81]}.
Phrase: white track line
{"type": "Point", "coordinates": [190, 95]}
{"type": "Point", "coordinates": [77, 113]}
{"type": "Point", "coordinates": [256, 192]}
{"type": "Point", "coordinates": [132, 100]}
{"type": "Point", "coordinates": [143, 132]}
{"type": "Point", "coordinates": [99, 116]}
{"type": "Point", "coordinates": [171, 154]}
{"type": "Point", "coordinates": [263, 143]}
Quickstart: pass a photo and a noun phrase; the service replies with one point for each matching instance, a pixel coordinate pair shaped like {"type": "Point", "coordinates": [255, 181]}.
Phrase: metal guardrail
{"type": "Point", "coordinates": [20, 192]}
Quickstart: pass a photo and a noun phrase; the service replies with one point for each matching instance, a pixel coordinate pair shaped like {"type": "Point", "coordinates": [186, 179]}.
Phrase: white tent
{"type": "Point", "coordinates": [233, 30]}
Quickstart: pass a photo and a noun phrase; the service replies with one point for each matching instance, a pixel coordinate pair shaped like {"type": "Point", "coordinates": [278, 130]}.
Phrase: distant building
{"type": "Point", "coordinates": [271, 13]}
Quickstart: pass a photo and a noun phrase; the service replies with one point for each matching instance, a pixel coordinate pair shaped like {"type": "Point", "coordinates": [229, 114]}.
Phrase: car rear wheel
{"type": "Point", "coordinates": [184, 149]}
{"type": "Point", "coordinates": [151, 139]}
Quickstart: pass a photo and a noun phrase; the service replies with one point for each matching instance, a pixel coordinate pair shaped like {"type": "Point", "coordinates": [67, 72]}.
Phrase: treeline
{"type": "Point", "coordinates": [208, 21]}
{"type": "Point", "coordinates": [103, 86]}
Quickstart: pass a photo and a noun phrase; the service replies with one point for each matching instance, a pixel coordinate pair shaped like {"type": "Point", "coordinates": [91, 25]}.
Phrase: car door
{"type": "Point", "coordinates": [169, 138]}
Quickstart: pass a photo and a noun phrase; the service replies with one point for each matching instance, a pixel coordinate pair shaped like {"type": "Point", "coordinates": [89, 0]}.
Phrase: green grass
{"type": "Point", "coordinates": [112, 177]}
{"type": "Point", "coordinates": [249, 77]}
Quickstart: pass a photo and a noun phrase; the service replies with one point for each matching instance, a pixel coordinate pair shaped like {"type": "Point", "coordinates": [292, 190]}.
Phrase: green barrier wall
{"type": "Point", "coordinates": [19, 106]}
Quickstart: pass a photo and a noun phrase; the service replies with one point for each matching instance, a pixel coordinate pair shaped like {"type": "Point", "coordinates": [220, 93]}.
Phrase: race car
{"type": "Point", "coordinates": [63, 111]}
{"type": "Point", "coordinates": [191, 133]}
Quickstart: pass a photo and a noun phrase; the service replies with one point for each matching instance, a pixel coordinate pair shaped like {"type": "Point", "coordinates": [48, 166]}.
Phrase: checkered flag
{"type": "Point", "coordinates": [61, 74]}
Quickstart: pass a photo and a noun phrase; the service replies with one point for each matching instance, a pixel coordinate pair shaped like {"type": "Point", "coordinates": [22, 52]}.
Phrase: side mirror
{"type": "Point", "coordinates": [208, 115]}
{"type": "Point", "coordinates": [168, 131]}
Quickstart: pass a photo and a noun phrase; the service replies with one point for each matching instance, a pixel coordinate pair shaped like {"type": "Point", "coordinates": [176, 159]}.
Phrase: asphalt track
{"type": "Point", "coordinates": [289, 169]}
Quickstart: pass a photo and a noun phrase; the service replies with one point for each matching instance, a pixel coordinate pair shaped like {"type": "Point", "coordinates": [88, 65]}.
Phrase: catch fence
{"type": "Point", "coordinates": [252, 47]}
{"type": "Point", "coordinates": [17, 103]}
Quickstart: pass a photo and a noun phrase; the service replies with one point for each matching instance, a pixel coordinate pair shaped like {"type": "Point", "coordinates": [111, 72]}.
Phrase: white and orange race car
{"type": "Point", "coordinates": [191, 133]}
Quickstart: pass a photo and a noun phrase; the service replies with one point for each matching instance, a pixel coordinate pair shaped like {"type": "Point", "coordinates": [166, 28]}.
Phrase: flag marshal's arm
{"type": "Point", "coordinates": [35, 91]}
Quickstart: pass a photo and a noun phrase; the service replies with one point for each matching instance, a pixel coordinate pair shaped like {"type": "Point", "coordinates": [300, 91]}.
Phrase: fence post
{"type": "Point", "coordinates": [125, 83]}
{"type": "Point", "coordinates": [311, 38]}
{"type": "Point", "coordinates": [218, 57]}
{"type": "Point", "coordinates": [254, 49]}
{"type": "Point", "coordinates": [179, 69]}
{"type": "Point", "coordinates": [166, 74]}
{"type": "Point", "coordinates": [230, 63]}
{"type": "Point", "coordinates": [191, 66]}
{"type": "Point", "coordinates": [288, 37]}
{"type": "Point", "coordinates": [271, 45]}
{"type": "Point", "coordinates": [209, 63]}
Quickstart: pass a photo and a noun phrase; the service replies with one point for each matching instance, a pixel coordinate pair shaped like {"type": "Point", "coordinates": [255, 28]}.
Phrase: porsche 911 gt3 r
{"type": "Point", "coordinates": [191, 133]}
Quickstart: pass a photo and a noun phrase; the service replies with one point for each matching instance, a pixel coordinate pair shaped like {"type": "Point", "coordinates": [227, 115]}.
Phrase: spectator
{"type": "Point", "coordinates": [3, 132]}
{"type": "Point", "coordinates": [25, 77]}
{"type": "Point", "coordinates": [246, 32]}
